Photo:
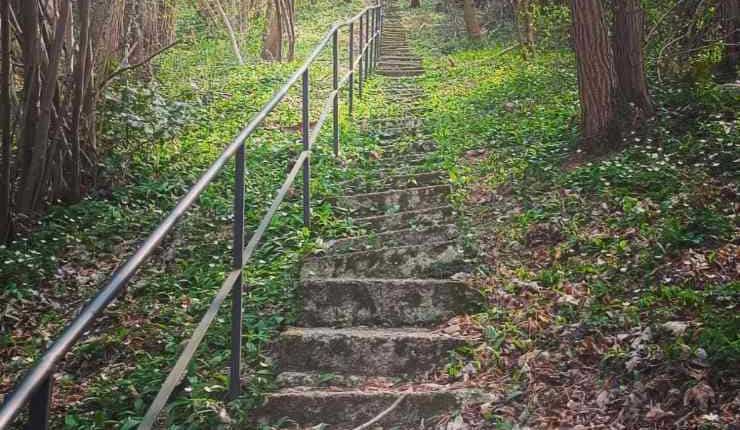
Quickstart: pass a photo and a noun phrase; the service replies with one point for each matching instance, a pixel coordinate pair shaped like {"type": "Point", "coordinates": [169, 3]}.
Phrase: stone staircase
{"type": "Point", "coordinates": [372, 303]}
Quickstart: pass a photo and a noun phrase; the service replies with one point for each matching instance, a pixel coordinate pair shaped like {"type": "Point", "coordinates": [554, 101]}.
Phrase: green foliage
{"type": "Point", "coordinates": [163, 136]}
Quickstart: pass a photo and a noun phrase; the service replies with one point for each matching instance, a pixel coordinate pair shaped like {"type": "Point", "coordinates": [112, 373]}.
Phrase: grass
{"type": "Point", "coordinates": [171, 131]}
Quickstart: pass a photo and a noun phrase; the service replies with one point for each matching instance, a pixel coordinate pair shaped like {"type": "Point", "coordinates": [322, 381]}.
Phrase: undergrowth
{"type": "Point", "coordinates": [164, 136]}
{"type": "Point", "coordinates": [625, 263]}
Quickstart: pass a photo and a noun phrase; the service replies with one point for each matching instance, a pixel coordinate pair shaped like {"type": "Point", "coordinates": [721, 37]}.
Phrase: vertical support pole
{"type": "Point", "coordinates": [237, 264]}
{"type": "Point", "coordinates": [335, 86]}
{"type": "Point", "coordinates": [361, 54]}
{"type": "Point", "coordinates": [367, 42]}
{"type": "Point", "coordinates": [307, 162]}
{"type": "Point", "coordinates": [351, 66]}
{"type": "Point", "coordinates": [39, 406]}
{"type": "Point", "coordinates": [371, 43]}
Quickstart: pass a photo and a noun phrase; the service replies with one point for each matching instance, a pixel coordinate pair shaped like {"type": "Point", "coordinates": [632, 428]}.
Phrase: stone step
{"type": "Point", "coordinates": [381, 183]}
{"type": "Point", "coordinates": [395, 123]}
{"type": "Point", "coordinates": [417, 218]}
{"type": "Point", "coordinates": [387, 202]}
{"type": "Point", "coordinates": [418, 147]}
{"type": "Point", "coordinates": [400, 61]}
{"type": "Point", "coordinates": [393, 238]}
{"type": "Point", "coordinates": [438, 261]}
{"type": "Point", "coordinates": [400, 161]}
{"type": "Point", "coordinates": [384, 302]}
{"type": "Point", "coordinates": [394, 73]}
{"type": "Point", "coordinates": [348, 409]}
{"type": "Point", "coordinates": [401, 66]}
{"type": "Point", "coordinates": [364, 351]}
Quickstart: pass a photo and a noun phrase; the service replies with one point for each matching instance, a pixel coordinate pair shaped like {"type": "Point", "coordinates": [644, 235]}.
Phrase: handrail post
{"type": "Point", "coordinates": [367, 43]}
{"type": "Point", "coordinates": [361, 54]}
{"type": "Point", "coordinates": [351, 67]}
{"type": "Point", "coordinates": [39, 405]}
{"type": "Point", "coordinates": [380, 35]}
{"type": "Point", "coordinates": [335, 86]}
{"type": "Point", "coordinates": [372, 42]}
{"type": "Point", "coordinates": [238, 264]}
{"type": "Point", "coordinates": [307, 162]}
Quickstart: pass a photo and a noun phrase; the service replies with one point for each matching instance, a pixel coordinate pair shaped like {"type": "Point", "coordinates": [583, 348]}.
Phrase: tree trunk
{"type": "Point", "coordinates": [730, 15]}
{"type": "Point", "coordinates": [415, 3]}
{"type": "Point", "coordinates": [471, 20]}
{"type": "Point", "coordinates": [232, 34]}
{"type": "Point", "coordinates": [31, 47]}
{"type": "Point", "coordinates": [31, 193]}
{"type": "Point", "coordinates": [629, 61]}
{"type": "Point", "coordinates": [5, 107]}
{"type": "Point", "coordinates": [525, 24]}
{"type": "Point", "coordinates": [79, 96]}
{"type": "Point", "coordinates": [596, 80]}
{"type": "Point", "coordinates": [272, 48]}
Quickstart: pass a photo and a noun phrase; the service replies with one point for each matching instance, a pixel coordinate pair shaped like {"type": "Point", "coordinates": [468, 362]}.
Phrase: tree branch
{"type": "Point", "coordinates": [125, 69]}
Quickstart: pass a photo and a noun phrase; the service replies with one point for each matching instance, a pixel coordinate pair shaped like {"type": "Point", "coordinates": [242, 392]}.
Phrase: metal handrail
{"type": "Point", "coordinates": [35, 389]}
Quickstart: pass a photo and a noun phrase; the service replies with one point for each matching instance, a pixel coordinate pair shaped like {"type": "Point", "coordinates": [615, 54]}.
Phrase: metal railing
{"type": "Point", "coordinates": [35, 389]}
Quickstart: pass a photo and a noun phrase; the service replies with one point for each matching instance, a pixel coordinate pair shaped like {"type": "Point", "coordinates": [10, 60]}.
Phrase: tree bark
{"type": "Point", "coordinates": [415, 3]}
{"type": "Point", "coordinates": [471, 20]}
{"type": "Point", "coordinates": [730, 15]}
{"type": "Point", "coordinates": [81, 80]}
{"type": "Point", "coordinates": [525, 24]}
{"type": "Point", "coordinates": [629, 61]}
{"type": "Point", "coordinates": [33, 182]}
{"type": "Point", "coordinates": [272, 48]}
{"type": "Point", "coordinates": [596, 79]}
{"type": "Point", "coordinates": [5, 108]}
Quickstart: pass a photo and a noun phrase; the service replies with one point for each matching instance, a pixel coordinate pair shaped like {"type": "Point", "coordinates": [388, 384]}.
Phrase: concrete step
{"type": "Point", "coordinates": [393, 238]}
{"type": "Point", "coordinates": [364, 351]}
{"type": "Point", "coordinates": [384, 302]}
{"type": "Point", "coordinates": [439, 261]}
{"type": "Point", "coordinates": [348, 409]}
{"type": "Point", "coordinates": [387, 202]}
{"type": "Point", "coordinates": [424, 217]}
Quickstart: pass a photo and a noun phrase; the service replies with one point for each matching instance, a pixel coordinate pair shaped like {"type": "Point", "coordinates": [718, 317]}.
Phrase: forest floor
{"type": "Point", "coordinates": [612, 281]}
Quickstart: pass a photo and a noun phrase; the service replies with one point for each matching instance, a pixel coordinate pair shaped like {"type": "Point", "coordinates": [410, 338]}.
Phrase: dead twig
{"type": "Point", "coordinates": [382, 414]}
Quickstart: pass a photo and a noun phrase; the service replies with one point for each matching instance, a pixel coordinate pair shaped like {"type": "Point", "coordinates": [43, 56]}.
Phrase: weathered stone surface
{"type": "Point", "coordinates": [364, 351]}
{"type": "Point", "coordinates": [423, 217]}
{"type": "Point", "coordinates": [349, 409]}
{"type": "Point", "coordinates": [388, 202]}
{"type": "Point", "coordinates": [416, 261]}
{"type": "Point", "coordinates": [381, 302]}
{"type": "Point", "coordinates": [396, 238]}
{"type": "Point", "coordinates": [396, 182]}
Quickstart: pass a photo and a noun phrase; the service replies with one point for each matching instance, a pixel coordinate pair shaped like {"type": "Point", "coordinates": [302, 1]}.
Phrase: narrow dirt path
{"type": "Point", "coordinates": [366, 336]}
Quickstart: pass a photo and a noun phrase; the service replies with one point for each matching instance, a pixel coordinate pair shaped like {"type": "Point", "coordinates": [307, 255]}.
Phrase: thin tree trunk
{"type": "Point", "coordinates": [230, 30]}
{"type": "Point", "coordinates": [273, 43]}
{"type": "Point", "coordinates": [31, 47]}
{"type": "Point", "coordinates": [415, 3]}
{"type": "Point", "coordinates": [471, 20]}
{"type": "Point", "coordinates": [33, 183]}
{"type": "Point", "coordinates": [79, 95]}
{"type": "Point", "coordinates": [5, 108]}
{"type": "Point", "coordinates": [629, 61]}
{"type": "Point", "coordinates": [525, 25]}
{"type": "Point", "coordinates": [730, 15]}
{"type": "Point", "coordinates": [596, 80]}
